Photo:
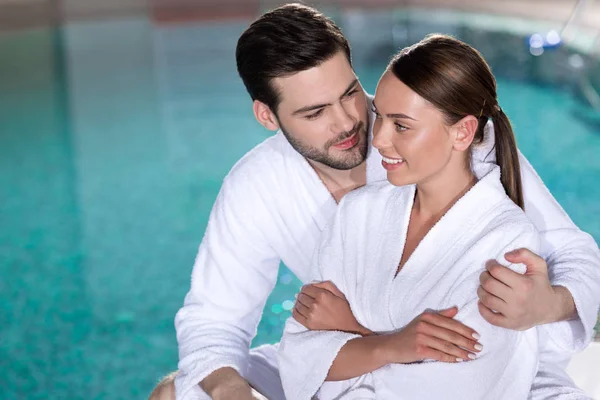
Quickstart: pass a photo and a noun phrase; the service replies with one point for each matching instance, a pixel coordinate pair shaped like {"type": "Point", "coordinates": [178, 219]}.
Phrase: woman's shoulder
{"type": "Point", "coordinates": [377, 194]}
{"type": "Point", "coordinates": [509, 223]}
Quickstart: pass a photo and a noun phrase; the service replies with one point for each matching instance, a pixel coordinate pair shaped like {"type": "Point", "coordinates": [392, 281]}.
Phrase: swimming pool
{"type": "Point", "coordinates": [115, 136]}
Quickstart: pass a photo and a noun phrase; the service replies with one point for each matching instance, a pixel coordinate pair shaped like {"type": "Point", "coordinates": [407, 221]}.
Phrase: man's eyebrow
{"type": "Point", "coordinates": [399, 116]}
{"type": "Point", "coordinates": [317, 106]}
{"type": "Point", "coordinates": [350, 87]}
{"type": "Point", "coordinates": [310, 108]}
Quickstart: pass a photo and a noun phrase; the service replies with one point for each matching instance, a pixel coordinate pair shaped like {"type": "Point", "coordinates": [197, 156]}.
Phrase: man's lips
{"type": "Point", "coordinates": [347, 143]}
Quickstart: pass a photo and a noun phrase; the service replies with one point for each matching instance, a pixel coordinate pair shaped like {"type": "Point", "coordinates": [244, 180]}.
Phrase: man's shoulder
{"type": "Point", "coordinates": [263, 162]}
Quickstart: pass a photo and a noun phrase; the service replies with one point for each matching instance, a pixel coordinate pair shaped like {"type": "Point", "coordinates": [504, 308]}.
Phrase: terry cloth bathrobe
{"type": "Point", "coordinates": [272, 208]}
{"type": "Point", "coordinates": [360, 254]}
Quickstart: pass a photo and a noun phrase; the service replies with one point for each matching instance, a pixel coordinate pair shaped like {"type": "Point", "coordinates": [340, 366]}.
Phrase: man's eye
{"type": "Point", "coordinates": [315, 114]}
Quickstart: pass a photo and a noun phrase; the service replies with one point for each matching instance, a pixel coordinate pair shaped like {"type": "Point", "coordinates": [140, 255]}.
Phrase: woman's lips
{"type": "Point", "coordinates": [391, 164]}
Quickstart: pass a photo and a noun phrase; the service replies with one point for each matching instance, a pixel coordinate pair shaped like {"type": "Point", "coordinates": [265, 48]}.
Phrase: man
{"type": "Point", "coordinates": [276, 200]}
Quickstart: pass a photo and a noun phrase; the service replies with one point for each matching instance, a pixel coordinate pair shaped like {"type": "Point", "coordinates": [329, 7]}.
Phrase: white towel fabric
{"type": "Point", "coordinates": [573, 259]}
{"type": "Point", "coordinates": [360, 254]}
{"type": "Point", "coordinates": [272, 207]}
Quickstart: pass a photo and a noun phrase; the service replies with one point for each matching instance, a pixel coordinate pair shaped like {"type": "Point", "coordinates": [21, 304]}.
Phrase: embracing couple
{"type": "Point", "coordinates": [437, 264]}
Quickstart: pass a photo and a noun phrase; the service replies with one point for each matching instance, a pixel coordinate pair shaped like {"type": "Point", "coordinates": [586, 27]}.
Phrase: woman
{"type": "Point", "coordinates": [419, 242]}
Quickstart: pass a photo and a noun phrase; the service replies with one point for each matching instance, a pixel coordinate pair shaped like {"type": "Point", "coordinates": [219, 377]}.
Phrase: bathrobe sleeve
{"type": "Point", "coordinates": [573, 261]}
{"type": "Point", "coordinates": [305, 356]}
{"type": "Point", "coordinates": [234, 272]}
{"type": "Point", "coordinates": [502, 354]}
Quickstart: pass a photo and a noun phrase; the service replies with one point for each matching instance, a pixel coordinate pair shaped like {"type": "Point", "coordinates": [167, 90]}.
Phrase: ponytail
{"type": "Point", "coordinates": [455, 78]}
{"type": "Point", "coordinates": [507, 157]}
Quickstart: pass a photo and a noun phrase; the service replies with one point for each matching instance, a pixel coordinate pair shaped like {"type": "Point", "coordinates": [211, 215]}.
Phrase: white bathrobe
{"type": "Point", "coordinates": [360, 254]}
{"type": "Point", "coordinates": [272, 207]}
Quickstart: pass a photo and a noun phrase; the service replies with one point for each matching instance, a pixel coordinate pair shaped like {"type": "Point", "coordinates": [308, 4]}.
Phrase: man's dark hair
{"type": "Point", "coordinates": [285, 41]}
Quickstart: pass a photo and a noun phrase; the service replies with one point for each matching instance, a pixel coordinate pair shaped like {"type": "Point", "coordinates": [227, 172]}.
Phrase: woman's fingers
{"type": "Point", "coordinates": [311, 291]}
{"type": "Point", "coordinates": [449, 349]}
{"type": "Point", "coordinates": [449, 312]}
{"type": "Point", "coordinates": [450, 324]}
{"type": "Point", "coordinates": [302, 309]}
{"type": "Point", "coordinates": [432, 354]}
{"type": "Point", "coordinates": [451, 337]}
{"type": "Point", "coordinates": [299, 317]}
{"type": "Point", "coordinates": [305, 300]}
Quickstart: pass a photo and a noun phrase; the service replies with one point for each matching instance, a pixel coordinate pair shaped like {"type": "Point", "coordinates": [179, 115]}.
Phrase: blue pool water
{"type": "Point", "coordinates": [114, 139]}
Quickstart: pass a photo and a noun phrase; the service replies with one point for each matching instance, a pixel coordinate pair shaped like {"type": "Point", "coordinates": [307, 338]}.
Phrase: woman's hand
{"type": "Point", "coordinates": [238, 392]}
{"type": "Point", "coordinates": [322, 306]}
{"type": "Point", "coordinates": [434, 336]}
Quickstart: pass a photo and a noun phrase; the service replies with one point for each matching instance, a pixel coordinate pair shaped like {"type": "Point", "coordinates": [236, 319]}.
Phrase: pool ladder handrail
{"type": "Point", "coordinates": [568, 34]}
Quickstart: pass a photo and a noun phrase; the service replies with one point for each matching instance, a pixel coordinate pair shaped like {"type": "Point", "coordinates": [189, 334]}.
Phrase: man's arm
{"type": "Point", "coordinates": [234, 272]}
{"type": "Point", "coordinates": [570, 288]}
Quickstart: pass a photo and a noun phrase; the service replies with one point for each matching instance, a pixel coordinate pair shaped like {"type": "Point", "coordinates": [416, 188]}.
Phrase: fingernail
{"type": "Point", "coordinates": [478, 347]}
{"type": "Point", "coordinates": [459, 360]}
{"type": "Point", "coordinates": [472, 356]}
{"type": "Point", "coordinates": [476, 336]}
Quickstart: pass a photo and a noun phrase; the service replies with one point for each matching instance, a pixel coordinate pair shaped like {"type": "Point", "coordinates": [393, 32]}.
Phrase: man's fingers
{"type": "Point", "coordinates": [490, 301]}
{"type": "Point", "coordinates": [330, 286]}
{"type": "Point", "coordinates": [450, 324]}
{"type": "Point", "coordinates": [503, 274]}
{"type": "Point", "coordinates": [494, 286]}
{"type": "Point", "coordinates": [492, 317]}
{"type": "Point", "coordinates": [533, 262]}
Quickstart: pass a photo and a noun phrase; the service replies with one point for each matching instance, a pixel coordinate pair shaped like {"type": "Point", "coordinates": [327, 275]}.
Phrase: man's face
{"type": "Point", "coordinates": [323, 113]}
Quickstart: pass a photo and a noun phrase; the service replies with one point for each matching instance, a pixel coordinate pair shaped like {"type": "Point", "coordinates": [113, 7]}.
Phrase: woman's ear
{"type": "Point", "coordinates": [465, 130]}
{"type": "Point", "coordinates": [265, 116]}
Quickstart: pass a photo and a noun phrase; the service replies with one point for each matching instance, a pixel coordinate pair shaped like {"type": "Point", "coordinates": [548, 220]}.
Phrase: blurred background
{"type": "Point", "coordinates": [120, 118]}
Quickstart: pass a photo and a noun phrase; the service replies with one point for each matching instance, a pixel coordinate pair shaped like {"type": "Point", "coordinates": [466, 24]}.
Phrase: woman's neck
{"type": "Point", "coordinates": [439, 193]}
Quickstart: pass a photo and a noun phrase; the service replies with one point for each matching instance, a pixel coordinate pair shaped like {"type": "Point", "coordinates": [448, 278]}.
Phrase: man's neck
{"type": "Point", "coordinates": [341, 182]}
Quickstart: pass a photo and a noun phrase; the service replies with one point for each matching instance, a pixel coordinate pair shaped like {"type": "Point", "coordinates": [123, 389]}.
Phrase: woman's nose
{"type": "Point", "coordinates": [380, 137]}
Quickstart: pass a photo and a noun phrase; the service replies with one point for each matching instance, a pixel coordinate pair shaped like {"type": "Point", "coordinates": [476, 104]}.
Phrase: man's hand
{"type": "Point", "coordinates": [518, 301]}
{"type": "Point", "coordinates": [322, 306]}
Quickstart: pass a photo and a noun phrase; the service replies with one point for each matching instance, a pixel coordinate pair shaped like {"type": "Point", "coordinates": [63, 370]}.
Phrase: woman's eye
{"type": "Point", "coordinates": [399, 127]}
